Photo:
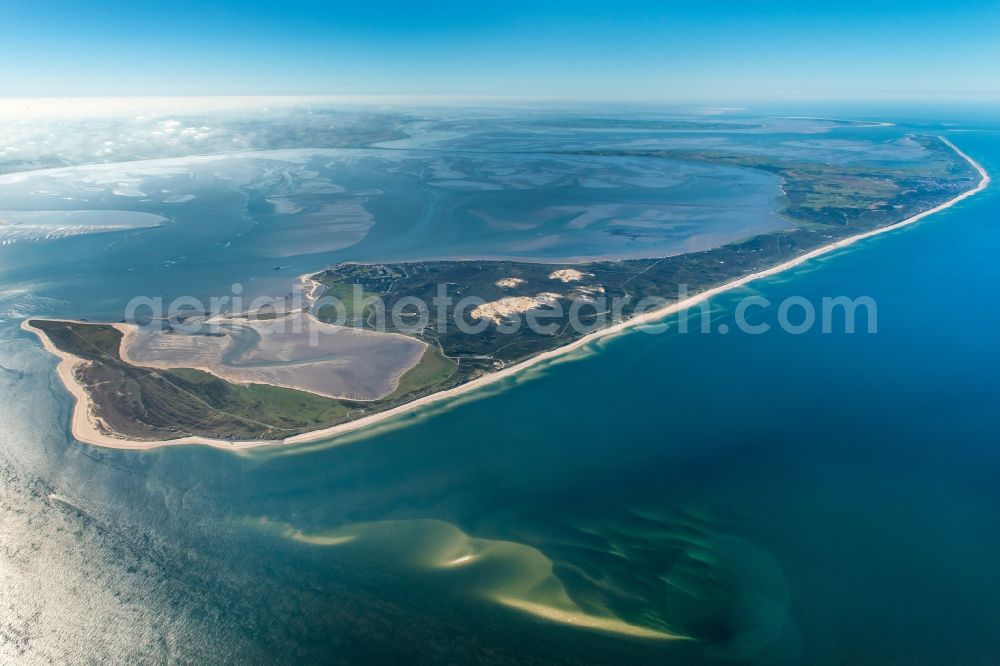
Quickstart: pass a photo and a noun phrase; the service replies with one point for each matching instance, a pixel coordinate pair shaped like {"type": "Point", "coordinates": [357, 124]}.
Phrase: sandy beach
{"type": "Point", "coordinates": [86, 427]}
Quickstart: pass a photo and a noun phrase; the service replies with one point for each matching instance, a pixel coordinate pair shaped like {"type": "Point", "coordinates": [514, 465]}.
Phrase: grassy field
{"type": "Point", "coordinates": [433, 369]}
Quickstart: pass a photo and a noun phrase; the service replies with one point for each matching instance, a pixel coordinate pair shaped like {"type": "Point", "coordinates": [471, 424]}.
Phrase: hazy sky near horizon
{"type": "Point", "coordinates": [624, 51]}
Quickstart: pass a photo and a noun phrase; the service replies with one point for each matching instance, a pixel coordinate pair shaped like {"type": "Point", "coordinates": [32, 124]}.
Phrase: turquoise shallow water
{"type": "Point", "coordinates": [782, 499]}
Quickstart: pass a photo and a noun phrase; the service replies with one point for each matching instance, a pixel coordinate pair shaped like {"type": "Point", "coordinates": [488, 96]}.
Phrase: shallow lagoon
{"type": "Point", "coordinates": [368, 205]}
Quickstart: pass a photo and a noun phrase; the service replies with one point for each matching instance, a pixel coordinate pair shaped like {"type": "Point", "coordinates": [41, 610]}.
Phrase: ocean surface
{"type": "Point", "coordinates": [774, 499]}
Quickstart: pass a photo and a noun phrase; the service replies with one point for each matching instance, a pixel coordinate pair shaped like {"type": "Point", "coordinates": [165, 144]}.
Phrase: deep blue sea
{"type": "Point", "coordinates": [777, 498]}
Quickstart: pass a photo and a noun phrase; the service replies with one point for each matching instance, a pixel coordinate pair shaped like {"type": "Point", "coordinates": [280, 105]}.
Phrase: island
{"type": "Point", "coordinates": [244, 385]}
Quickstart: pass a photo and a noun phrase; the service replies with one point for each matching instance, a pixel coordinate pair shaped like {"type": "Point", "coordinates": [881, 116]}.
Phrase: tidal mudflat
{"type": "Point", "coordinates": [294, 351]}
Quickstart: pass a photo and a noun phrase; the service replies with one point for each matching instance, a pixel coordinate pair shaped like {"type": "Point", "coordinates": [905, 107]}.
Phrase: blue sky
{"type": "Point", "coordinates": [700, 51]}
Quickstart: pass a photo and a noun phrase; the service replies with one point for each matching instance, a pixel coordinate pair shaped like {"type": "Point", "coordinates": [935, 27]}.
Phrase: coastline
{"type": "Point", "coordinates": [85, 424]}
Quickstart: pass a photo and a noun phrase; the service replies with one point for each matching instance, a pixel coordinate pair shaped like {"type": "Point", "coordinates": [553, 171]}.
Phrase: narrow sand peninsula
{"type": "Point", "coordinates": [86, 427]}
